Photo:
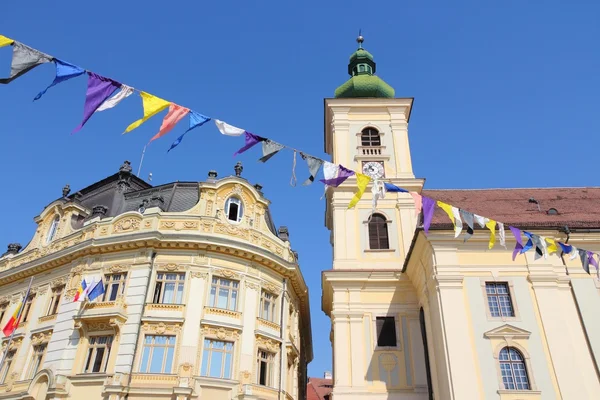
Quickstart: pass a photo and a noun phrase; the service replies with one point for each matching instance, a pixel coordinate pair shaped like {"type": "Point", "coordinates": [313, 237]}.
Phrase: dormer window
{"type": "Point", "coordinates": [370, 137]}
{"type": "Point", "coordinates": [234, 209]}
{"type": "Point", "coordinates": [53, 229]}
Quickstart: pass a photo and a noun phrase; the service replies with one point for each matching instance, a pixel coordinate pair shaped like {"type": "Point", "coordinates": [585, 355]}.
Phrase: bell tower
{"type": "Point", "coordinates": [372, 306]}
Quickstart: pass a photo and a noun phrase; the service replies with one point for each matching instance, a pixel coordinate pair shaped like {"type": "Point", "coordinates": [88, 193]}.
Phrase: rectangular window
{"type": "Point", "coordinates": [27, 308]}
{"type": "Point", "coordinates": [55, 300]}
{"type": "Point", "coordinates": [157, 354]}
{"type": "Point", "coordinates": [265, 368]}
{"type": "Point", "coordinates": [5, 369]}
{"type": "Point", "coordinates": [114, 286]}
{"type": "Point", "coordinates": [3, 308]}
{"type": "Point", "coordinates": [386, 331]}
{"type": "Point", "coordinates": [499, 299]}
{"type": "Point", "coordinates": [169, 288]}
{"type": "Point", "coordinates": [217, 359]}
{"type": "Point", "coordinates": [98, 354]}
{"type": "Point", "coordinates": [223, 294]}
{"type": "Point", "coordinates": [37, 359]}
{"type": "Point", "coordinates": [267, 306]}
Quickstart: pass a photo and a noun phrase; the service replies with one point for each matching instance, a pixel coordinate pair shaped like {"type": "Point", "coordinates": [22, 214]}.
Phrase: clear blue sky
{"type": "Point", "coordinates": [506, 95]}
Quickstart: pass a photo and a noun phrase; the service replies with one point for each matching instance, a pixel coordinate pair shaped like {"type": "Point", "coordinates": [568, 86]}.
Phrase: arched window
{"type": "Point", "coordinates": [370, 137]}
{"type": "Point", "coordinates": [378, 233]}
{"type": "Point", "coordinates": [53, 229]}
{"type": "Point", "coordinates": [234, 209]}
{"type": "Point", "coordinates": [512, 366]}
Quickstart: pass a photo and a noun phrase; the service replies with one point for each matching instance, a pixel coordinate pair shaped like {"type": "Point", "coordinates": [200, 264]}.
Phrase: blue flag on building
{"type": "Point", "coordinates": [96, 289]}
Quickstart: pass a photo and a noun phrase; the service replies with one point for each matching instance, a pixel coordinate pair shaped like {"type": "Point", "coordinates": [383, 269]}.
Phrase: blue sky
{"type": "Point", "coordinates": [506, 95]}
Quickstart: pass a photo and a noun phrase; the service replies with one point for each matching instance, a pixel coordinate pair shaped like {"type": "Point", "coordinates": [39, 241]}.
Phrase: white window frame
{"type": "Point", "coordinates": [269, 358]}
{"type": "Point", "coordinates": [37, 359]}
{"type": "Point", "coordinates": [511, 291]}
{"type": "Point", "coordinates": [26, 314]}
{"type": "Point", "coordinates": [5, 367]}
{"type": "Point", "coordinates": [240, 213]}
{"type": "Point", "coordinates": [210, 352]}
{"type": "Point", "coordinates": [53, 229]}
{"type": "Point", "coordinates": [179, 280]}
{"type": "Point", "coordinates": [55, 298]}
{"type": "Point", "coordinates": [272, 306]}
{"type": "Point", "coordinates": [92, 351]}
{"type": "Point", "coordinates": [110, 282]}
{"type": "Point", "coordinates": [164, 369]}
{"type": "Point", "coordinates": [214, 301]}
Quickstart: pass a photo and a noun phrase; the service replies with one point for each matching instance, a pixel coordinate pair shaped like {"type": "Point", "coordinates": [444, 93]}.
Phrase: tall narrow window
{"type": "Point", "coordinates": [5, 368]}
{"type": "Point", "coordinates": [98, 354]}
{"type": "Point", "coordinates": [52, 230]}
{"type": "Point", "coordinates": [499, 299]}
{"type": "Point", "coordinates": [114, 286]}
{"type": "Point", "coordinates": [169, 288]}
{"type": "Point", "coordinates": [223, 294]}
{"type": "Point", "coordinates": [512, 366]}
{"type": "Point", "coordinates": [265, 368]}
{"type": "Point", "coordinates": [3, 308]}
{"type": "Point", "coordinates": [27, 309]}
{"type": "Point", "coordinates": [57, 293]}
{"type": "Point", "coordinates": [386, 331]}
{"type": "Point", "coordinates": [234, 209]}
{"type": "Point", "coordinates": [370, 137]}
{"type": "Point", "coordinates": [267, 306]}
{"type": "Point", "coordinates": [37, 359]}
{"type": "Point", "coordinates": [157, 355]}
{"type": "Point", "coordinates": [217, 359]}
{"type": "Point", "coordinates": [378, 233]}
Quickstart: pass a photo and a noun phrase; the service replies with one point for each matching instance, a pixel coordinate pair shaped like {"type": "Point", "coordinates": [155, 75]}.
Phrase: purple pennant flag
{"type": "Point", "coordinates": [428, 208]}
{"type": "Point", "coordinates": [343, 174]}
{"type": "Point", "coordinates": [519, 246]}
{"type": "Point", "coordinates": [585, 260]}
{"type": "Point", "coordinates": [251, 140]}
{"type": "Point", "coordinates": [99, 89]}
{"type": "Point", "coordinates": [592, 260]}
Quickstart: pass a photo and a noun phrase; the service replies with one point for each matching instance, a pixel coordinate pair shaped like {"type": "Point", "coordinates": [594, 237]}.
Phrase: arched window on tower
{"type": "Point", "coordinates": [370, 137]}
{"type": "Point", "coordinates": [512, 367]}
{"type": "Point", "coordinates": [378, 233]}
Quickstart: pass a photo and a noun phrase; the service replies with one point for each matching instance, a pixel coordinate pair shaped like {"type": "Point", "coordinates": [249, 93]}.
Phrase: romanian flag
{"type": "Point", "coordinates": [91, 287]}
{"type": "Point", "coordinates": [81, 291]}
{"type": "Point", "coordinates": [13, 322]}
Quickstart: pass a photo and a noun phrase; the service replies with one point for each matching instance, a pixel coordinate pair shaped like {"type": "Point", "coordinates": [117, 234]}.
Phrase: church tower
{"type": "Point", "coordinates": [376, 335]}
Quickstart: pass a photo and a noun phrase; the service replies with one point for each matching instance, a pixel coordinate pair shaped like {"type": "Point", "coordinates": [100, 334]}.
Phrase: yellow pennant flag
{"type": "Point", "coordinates": [4, 41]}
{"type": "Point", "coordinates": [448, 210]}
{"type": "Point", "coordinates": [491, 225]}
{"type": "Point", "coordinates": [551, 246]}
{"type": "Point", "coordinates": [361, 182]}
{"type": "Point", "coordinates": [152, 106]}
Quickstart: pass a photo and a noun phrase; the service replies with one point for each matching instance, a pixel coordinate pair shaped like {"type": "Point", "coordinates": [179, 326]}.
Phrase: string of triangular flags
{"type": "Point", "coordinates": [104, 93]}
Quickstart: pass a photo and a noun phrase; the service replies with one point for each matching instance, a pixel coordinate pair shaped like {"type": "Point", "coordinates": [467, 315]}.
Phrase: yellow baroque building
{"type": "Point", "coordinates": [423, 317]}
{"type": "Point", "coordinates": [203, 297]}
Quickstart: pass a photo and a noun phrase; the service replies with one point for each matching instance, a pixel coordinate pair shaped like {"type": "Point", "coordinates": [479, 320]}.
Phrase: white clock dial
{"type": "Point", "coordinates": [373, 169]}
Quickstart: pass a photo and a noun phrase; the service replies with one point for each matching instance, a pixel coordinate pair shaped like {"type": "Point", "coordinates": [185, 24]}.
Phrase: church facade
{"type": "Point", "coordinates": [416, 316]}
{"type": "Point", "coordinates": [203, 296]}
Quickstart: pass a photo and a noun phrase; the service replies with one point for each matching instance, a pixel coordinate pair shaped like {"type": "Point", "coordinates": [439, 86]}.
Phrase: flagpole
{"type": "Point", "coordinates": [18, 321]}
{"type": "Point", "coordinates": [141, 161]}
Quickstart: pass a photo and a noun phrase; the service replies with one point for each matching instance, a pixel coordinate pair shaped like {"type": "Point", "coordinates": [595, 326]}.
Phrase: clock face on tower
{"type": "Point", "coordinates": [373, 169]}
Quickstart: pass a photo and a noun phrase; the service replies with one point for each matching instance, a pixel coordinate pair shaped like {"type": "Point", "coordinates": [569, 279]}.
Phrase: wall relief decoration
{"type": "Point", "coordinates": [225, 273]}
{"type": "Point", "coordinates": [220, 332]}
{"type": "Point", "coordinates": [232, 230]}
{"type": "Point", "coordinates": [179, 225]}
{"type": "Point", "coordinates": [126, 224]}
{"type": "Point", "coordinates": [266, 343]}
{"type": "Point", "coordinates": [160, 327]}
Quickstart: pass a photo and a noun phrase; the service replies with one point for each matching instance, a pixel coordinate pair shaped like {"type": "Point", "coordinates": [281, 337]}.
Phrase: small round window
{"type": "Point", "coordinates": [234, 209]}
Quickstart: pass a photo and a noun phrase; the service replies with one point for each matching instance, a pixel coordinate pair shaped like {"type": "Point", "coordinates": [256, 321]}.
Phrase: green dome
{"type": "Point", "coordinates": [365, 86]}
{"type": "Point", "coordinates": [363, 82]}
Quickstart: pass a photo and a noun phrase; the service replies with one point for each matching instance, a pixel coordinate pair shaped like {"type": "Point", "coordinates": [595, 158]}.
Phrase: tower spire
{"type": "Point", "coordinates": [360, 39]}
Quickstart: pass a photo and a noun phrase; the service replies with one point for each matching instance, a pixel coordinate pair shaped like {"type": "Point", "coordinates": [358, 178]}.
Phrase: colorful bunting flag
{"type": "Point", "coordinates": [566, 249]}
{"type": "Point", "coordinates": [196, 120]}
{"type": "Point", "coordinates": [482, 221]}
{"type": "Point", "coordinates": [24, 59]}
{"type": "Point", "coordinates": [592, 260]}
{"type": "Point", "coordinates": [152, 105]}
{"type": "Point", "coordinates": [314, 165]}
{"type": "Point", "coordinates": [64, 72]}
{"type": "Point", "coordinates": [418, 202]}
{"type": "Point", "coordinates": [269, 149]}
{"type": "Point", "coordinates": [502, 234]}
{"type": "Point", "coordinates": [529, 243]}
{"type": "Point", "coordinates": [393, 188]}
{"type": "Point", "coordinates": [125, 92]}
{"type": "Point", "coordinates": [585, 260]}
{"type": "Point", "coordinates": [99, 89]}
{"type": "Point", "coordinates": [251, 140]}
{"type": "Point", "coordinates": [491, 225]}
{"type": "Point", "coordinates": [552, 248]}
{"type": "Point", "coordinates": [519, 246]}
{"type": "Point", "coordinates": [540, 246]}
{"type": "Point", "coordinates": [468, 218]}
{"type": "Point", "coordinates": [4, 41]}
{"type": "Point", "coordinates": [343, 174]}
{"type": "Point", "coordinates": [574, 253]}
{"type": "Point", "coordinates": [175, 114]}
{"type": "Point", "coordinates": [361, 183]}
{"type": "Point", "coordinates": [228, 130]}
{"type": "Point", "coordinates": [428, 209]}
{"type": "Point", "coordinates": [454, 215]}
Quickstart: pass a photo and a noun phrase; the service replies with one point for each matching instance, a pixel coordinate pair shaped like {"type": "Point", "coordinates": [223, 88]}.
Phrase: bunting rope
{"type": "Point", "coordinates": [105, 93]}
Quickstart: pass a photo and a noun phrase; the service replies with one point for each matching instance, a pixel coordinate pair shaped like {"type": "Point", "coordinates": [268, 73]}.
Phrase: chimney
{"type": "Point", "coordinates": [284, 233]}
{"type": "Point", "coordinates": [327, 375]}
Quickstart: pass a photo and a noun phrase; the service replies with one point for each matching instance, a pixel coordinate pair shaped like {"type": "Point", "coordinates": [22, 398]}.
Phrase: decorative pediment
{"type": "Point", "coordinates": [507, 331]}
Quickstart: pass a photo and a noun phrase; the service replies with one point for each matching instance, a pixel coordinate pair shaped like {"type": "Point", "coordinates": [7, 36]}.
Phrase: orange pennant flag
{"type": "Point", "coordinates": [175, 114]}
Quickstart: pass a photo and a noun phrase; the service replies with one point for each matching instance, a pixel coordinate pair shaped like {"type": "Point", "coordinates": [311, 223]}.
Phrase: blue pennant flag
{"type": "Point", "coordinates": [64, 72]}
{"type": "Point", "coordinates": [529, 243]}
{"type": "Point", "coordinates": [96, 291]}
{"type": "Point", "coordinates": [393, 188]}
{"type": "Point", "coordinates": [196, 120]}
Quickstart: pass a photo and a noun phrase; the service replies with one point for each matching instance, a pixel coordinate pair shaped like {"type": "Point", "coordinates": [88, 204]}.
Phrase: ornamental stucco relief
{"type": "Point", "coordinates": [126, 224]}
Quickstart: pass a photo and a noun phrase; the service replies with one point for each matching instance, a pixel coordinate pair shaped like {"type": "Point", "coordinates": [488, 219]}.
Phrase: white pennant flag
{"type": "Point", "coordinates": [228, 130]}
{"type": "Point", "coordinates": [125, 92]}
{"type": "Point", "coordinates": [458, 225]}
{"type": "Point", "coordinates": [502, 234]}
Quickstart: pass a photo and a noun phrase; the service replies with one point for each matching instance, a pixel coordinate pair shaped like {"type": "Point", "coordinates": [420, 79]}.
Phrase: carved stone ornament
{"type": "Point", "coordinates": [220, 332]}
{"type": "Point", "coordinates": [115, 269]}
{"type": "Point", "coordinates": [202, 275]}
{"type": "Point", "coordinates": [225, 273]}
{"type": "Point", "coordinates": [269, 287]}
{"type": "Point", "coordinates": [266, 343]}
{"type": "Point", "coordinates": [127, 224]}
{"type": "Point", "coordinates": [41, 337]}
{"type": "Point", "coordinates": [160, 327]}
{"type": "Point", "coordinates": [251, 285]}
{"type": "Point", "coordinates": [171, 267]}
{"type": "Point", "coordinates": [58, 282]}
{"type": "Point", "coordinates": [245, 377]}
{"type": "Point", "coordinates": [185, 370]}
{"type": "Point", "coordinates": [232, 230]}
{"type": "Point", "coordinates": [237, 189]}
{"type": "Point", "coordinates": [179, 225]}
